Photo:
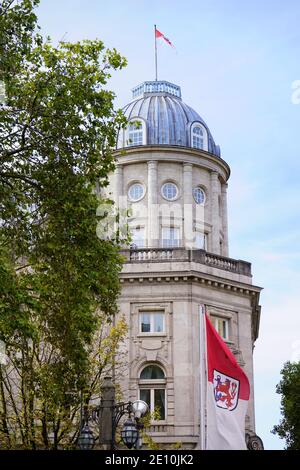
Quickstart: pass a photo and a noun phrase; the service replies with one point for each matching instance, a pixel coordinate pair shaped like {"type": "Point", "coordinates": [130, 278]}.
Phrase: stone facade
{"type": "Point", "coordinates": [169, 282]}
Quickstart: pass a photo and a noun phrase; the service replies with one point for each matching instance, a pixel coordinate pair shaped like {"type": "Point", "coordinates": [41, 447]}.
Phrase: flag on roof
{"type": "Point", "coordinates": [159, 35]}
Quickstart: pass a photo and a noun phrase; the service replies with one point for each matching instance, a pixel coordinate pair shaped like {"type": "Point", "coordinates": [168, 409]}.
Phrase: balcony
{"type": "Point", "coordinates": [154, 255]}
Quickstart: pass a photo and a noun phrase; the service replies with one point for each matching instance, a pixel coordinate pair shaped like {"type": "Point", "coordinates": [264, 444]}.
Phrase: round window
{"type": "Point", "coordinates": [199, 195]}
{"type": "Point", "coordinates": [136, 192]}
{"type": "Point", "coordinates": [169, 191]}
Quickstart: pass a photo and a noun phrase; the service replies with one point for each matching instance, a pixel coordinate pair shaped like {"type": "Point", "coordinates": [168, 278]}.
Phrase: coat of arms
{"type": "Point", "coordinates": [226, 391]}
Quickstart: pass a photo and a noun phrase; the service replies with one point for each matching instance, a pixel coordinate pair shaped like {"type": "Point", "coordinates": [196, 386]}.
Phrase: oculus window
{"type": "Point", "coordinates": [169, 191]}
{"type": "Point", "coordinates": [199, 195]}
{"type": "Point", "coordinates": [136, 192]}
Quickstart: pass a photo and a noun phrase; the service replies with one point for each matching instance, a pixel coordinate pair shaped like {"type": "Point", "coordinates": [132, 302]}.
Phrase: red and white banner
{"type": "Point", "coordinates": [159, 35]}
{"type": "Point", "coordinates": [228, 392]}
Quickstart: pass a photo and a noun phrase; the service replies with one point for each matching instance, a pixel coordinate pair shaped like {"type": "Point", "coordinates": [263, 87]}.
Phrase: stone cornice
{"type": "Point", "coordinates": [188, 276]}
{"type": "Point", "coordinates": [196, 157]}
{"type": "Point", "coordinates": [205, 280]}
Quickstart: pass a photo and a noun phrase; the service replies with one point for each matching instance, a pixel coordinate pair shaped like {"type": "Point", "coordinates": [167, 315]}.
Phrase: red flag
{"type": "Point", "coordinates": [228, 393]}
{"type": "Point", "coordinates": [158, 35]}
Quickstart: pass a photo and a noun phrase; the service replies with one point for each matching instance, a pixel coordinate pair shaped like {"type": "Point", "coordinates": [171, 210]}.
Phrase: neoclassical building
{"type": "Point", "coordinates": [170, 176]}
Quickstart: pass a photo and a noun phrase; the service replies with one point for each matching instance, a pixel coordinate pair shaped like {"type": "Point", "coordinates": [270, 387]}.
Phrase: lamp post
{"type": "Point", "coordinates": [108, 415]}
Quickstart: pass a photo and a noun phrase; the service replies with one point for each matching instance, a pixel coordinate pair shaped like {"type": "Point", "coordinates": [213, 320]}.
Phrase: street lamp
{"type": "Point", "coordinates": [86, 439]}
{"type": "Point", "coordinates": [108, 415]}
{"type": "Point", "coordinates": [129, 433]}
{"type": "Point", "coordinates": [139, 408]}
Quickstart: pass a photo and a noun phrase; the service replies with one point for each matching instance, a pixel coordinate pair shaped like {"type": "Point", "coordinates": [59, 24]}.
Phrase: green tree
{"type": "Point", "coordinates": [59, 281]}
{"type": "Point", "coordinates": [289, 389]}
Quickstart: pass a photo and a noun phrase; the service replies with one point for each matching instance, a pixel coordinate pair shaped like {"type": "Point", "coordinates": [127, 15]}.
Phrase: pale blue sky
{"type": "Point", "coordinates": [235, 62]}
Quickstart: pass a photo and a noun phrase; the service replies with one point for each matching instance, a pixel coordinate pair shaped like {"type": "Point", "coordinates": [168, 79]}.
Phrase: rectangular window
{"type": "Point", "coordinates": [152, 322]}
{"type": "Point", "coordinates": [222, 326]}
{"type": "Point", "coordinates": [200, 241]}
{"type": "Point", "coordinates": [156, 400]}
{"type": "Point", "coordinates": [138, 237]}
{"type": "Point", "coordinates": [170, 237]}
{"type": "Point", "coordinates": [197, 142]}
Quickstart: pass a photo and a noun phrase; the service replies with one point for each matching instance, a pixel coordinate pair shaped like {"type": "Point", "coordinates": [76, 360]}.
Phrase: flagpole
{"type": "Point", "coordinates": [155, 53]}
{"type": "Point", "coordinates": [203, 377]}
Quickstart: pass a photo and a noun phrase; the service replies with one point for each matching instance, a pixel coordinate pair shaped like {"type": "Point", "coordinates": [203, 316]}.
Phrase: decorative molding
{"type": "Point", "coordinates": [197, 157]}
{"type": "Point", "coordinates": [192, 276]}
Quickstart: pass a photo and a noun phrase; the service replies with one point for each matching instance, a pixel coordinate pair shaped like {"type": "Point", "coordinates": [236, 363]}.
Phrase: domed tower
{"type": "Point", "coordinates": [170, 176]}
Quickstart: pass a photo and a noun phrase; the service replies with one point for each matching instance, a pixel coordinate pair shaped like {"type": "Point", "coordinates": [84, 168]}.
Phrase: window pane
{"type": "Point", "coordinates": [169, 191]}
{"type": "Point", "coordinates": [145, 323]}
{"type": "Point", "coordinates": [136, 191]}
{"type": "Point", "coordinates": [138, 237]}
{"type": "Point", "coordinates": [152, 373]}
{"type": "Point", "coordinates": [200, 241]}
{"type": "Point", "coordinates": [145, 396]}
{"type": "Point", "coordinates": [197, 142]}
{"type": "Point", "coordinates": [221, 325]}
{"type": "Point", "coordinates": [198, 131]}
{"type": "Point", "coordinates": [199, 195]}
{"type": "Point", "coordinates": [170, 237]}
{"type": "Point", "coordinates": [224, 332]}
{"type": "Point", "coordinates": [159, 402]}
{"type": "Point", "coordinates": [158, 322]}
{"type": "Point", "coordinates": [135, 133]}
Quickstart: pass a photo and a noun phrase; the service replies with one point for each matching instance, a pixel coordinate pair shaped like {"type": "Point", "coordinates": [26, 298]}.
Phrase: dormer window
{"type": "Point", "coordinates": [136, 134]}
{"type": "Point", "coordinates": [198, 136]}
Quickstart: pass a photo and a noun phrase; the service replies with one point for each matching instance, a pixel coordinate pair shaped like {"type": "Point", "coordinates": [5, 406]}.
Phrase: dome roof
{"type": "Point", "coordinates": [167, 119]}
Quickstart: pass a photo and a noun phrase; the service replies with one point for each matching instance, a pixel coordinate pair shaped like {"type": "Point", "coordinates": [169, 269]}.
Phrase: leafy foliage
{"type": "Point", "coordinates": [58, 280]}
{"type": "Point", "coordinates": [289, 389]}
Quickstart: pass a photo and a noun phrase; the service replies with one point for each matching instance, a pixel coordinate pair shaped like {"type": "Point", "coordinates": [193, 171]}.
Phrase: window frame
{"type": "Point", "coordinates": [205, 238]}
{"type": "Point", "coordinates": [163, 245]}
{"type": "Point", "coordinates": [162, 191]}
{"type": "Point", "coordinates": [133, 242]}
{"type": "Point", "coordinates": [204, 136]}
{"type": "Point", "coordinates": [133, 183]}
{"type": "Point", "coordinates": [215, 318]}
{"type": "Point", "coordinates": [152, 313]}
{"type": "Point", "coordinates": [152, 385]}
{"type": "Point", "coordinates": [142, 129]}
{"type": "Point", "coordinates": [204, 194]}
{"type": "Point", "coordinates": [152, 401]}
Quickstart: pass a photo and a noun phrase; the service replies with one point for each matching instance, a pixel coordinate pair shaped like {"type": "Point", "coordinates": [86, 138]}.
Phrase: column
{"type": "Point", "coordinates": [118, 189]}
{"type": "Point", "coordinates": [153, 212]}
{"type": "Point", "coordinates": [225, 217]}
{"type": "Point", "coordinates": [215, 217]}
{"type": "Point", "coordinates": [188, 235]}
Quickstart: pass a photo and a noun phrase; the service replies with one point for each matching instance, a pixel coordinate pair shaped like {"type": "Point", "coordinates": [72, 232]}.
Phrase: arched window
{"type": "Point", "coordinates": [152, 385]}
{"type": "Point", "coordinates": [136, 134]}
{"type": "Point", "coordinates": [198, 136]}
